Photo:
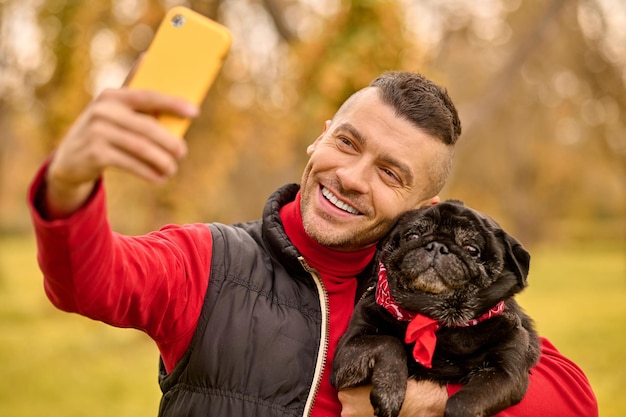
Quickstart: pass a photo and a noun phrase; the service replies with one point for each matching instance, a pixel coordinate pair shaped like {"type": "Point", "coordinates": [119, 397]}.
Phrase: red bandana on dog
{"type": "Point", "coordinates": [421, 329]}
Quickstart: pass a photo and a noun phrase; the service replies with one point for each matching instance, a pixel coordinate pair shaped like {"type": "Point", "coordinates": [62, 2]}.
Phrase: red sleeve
{"type": "Point", "coordinates": [557, 388]}
{"type": "Point", "coordinates": [155, 283]}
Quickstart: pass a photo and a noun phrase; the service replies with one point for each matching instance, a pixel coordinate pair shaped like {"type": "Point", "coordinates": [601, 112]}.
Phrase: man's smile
{"type": "Point", "coordinates": [338, 203]}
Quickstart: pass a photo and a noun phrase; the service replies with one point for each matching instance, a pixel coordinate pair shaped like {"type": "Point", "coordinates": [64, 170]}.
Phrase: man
{"type": "Point", "coordinates": [247, 317]}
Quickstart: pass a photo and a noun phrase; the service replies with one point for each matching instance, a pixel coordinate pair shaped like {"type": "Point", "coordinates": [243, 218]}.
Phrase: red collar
{"type": "Point", "coordinates": [421, 329]}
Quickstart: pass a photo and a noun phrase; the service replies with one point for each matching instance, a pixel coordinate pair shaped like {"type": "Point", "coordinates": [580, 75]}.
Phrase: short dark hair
{"type": "Point", "coordinates": [421, 102]}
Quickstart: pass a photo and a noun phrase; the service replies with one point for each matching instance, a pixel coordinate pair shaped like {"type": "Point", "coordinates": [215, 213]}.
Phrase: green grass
{"type": "Point", "coordinates": [578, 299]}
{"type": "Point", "coordinates": [58, 364]}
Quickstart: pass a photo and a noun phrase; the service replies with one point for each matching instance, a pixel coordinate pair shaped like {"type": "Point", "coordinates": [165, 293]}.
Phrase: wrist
{"type": "Point", "coordinates": [62, 199]}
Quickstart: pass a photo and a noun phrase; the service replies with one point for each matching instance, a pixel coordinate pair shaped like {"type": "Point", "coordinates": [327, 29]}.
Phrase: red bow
{"type": "Point", "coordinates": [421, 329]}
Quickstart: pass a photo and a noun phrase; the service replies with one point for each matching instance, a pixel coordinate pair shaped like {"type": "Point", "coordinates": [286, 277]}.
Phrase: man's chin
{"type": "Point", "coordinates": [336, 238]}
{"type": "Point", "coordinates": [325, 235]}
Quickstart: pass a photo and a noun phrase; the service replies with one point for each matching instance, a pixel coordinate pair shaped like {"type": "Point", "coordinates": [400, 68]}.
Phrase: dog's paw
{"type": "Point", "coordinates": [457, 407]}
{"type": "Point", "coordinates": [351, 374]}
{"type": "Point", "coordinates": [387, 401]}
{"type": "Point", "coordinates": [387, 396]}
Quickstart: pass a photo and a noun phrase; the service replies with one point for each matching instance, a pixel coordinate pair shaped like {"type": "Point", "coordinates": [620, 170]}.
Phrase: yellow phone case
{"type": "Point", "coordinates": [182, 60]}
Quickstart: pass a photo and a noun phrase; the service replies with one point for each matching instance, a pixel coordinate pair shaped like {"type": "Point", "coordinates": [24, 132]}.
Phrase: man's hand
{"type": "Point", "coordinates": [423, 399]}
{"type": "Point", "coordinates": [115, 130]}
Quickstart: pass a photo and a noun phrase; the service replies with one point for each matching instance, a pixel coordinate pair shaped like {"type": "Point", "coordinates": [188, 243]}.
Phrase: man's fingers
{"type": "Point", "coordinates": [356, 401]}
{"type": "Point", "coordinates": [118, 118]}
{"type": "Point", "coordinates": [150, 102]}
{"type": "Point", "coordinates": [123, 161]}
{"type": "Point", "coordinates": [127, 148]}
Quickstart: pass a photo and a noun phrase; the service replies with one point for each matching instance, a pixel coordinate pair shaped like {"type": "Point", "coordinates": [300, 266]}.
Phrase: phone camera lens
{"type": "Point", "coordinates": [178, 20]}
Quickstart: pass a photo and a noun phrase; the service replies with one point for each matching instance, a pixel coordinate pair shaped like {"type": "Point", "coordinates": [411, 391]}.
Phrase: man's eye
{"type": "Point", "coordinates": [390, 174]}
{"type": "Point", "coordinates": [344, 142]}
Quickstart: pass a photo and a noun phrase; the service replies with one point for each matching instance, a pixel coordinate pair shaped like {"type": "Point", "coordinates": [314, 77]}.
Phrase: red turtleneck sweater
{"type": "Point", "coordinates": [137, 282]}
{"type": "Point", "coordinates": [337, 271]}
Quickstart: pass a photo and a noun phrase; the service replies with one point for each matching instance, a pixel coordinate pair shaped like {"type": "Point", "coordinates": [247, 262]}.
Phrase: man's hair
{"type": "Point", "coordinates": [421, 102]}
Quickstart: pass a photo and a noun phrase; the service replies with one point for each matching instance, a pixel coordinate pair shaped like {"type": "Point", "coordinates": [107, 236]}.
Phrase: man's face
{"type": "Point", "coordinates": [365, 169]}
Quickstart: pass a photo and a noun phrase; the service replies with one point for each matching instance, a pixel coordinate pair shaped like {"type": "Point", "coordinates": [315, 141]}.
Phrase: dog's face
{"type": "Point", "coordinates": [452, 263]}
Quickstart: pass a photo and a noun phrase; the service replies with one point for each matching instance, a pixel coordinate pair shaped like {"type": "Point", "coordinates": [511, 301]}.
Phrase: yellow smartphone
{"type": "Point", "coordinates": [183, 60]}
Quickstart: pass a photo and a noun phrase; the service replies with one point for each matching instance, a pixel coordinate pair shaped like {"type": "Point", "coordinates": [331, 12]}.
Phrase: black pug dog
{"type": "Point", "coordinates": [443, 305]}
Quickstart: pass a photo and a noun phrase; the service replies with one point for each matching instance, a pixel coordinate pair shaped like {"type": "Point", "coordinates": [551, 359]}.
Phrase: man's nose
{"type": "Point", "coordinates": [354, 176]}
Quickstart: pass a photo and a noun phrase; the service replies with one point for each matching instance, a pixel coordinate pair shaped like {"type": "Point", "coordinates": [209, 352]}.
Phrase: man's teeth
{"type": "Point", "coordinates": [340, 204]}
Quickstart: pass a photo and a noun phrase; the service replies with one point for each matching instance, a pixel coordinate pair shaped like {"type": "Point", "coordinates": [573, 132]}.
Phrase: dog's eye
{"type": "Point", "coordinates": [472, 250]}
{"type": "Point", "coordinates": [411, 236]}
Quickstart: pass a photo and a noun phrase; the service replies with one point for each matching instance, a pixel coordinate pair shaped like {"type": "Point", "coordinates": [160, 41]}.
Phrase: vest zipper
{"type": "Point", "coordinates": [323, 349]}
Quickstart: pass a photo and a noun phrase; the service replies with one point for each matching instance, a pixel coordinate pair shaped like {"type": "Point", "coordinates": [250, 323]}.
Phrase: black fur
{"type": "Point", "coordinates": [453, 264]}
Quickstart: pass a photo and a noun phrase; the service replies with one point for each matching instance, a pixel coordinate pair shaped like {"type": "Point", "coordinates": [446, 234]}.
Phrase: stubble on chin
{"type": "Point", "coordinates": [342, 239]}
{"type": "Point", "coordinates": [325, 236]}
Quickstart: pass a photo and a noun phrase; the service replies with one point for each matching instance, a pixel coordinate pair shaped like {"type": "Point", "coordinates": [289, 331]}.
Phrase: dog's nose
{"type": "Point", "coordinates": [437, 247]}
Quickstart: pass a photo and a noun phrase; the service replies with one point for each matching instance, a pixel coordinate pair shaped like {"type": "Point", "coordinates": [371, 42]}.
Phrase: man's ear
{"type": "Point", "coordinates": [428, 202]}
{"type": "Point", "coordinates": [311, 148]}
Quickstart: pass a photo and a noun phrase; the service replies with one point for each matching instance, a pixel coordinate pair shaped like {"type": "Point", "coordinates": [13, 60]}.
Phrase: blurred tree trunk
{"type": "Point", "coordinates": [481, 112]}
{"type": "Point", "coordinates": [522, 211]}
{"type": "Point", "coordinates": [275, 10]}
{"type": "Point", "coordinates": [208, 8]}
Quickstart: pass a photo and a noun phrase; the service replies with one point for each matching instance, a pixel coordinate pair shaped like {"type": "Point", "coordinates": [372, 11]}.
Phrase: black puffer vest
{"type": "Point", "coordinates": [260, 344]}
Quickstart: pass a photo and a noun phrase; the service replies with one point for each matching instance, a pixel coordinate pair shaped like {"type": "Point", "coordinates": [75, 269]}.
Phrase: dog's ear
{"type": "Point", "coordinates": [455, 202]}
{"type": "Point", "coordinates": [517, 259]}
{"type": "Point", "coordinates": [391, 241]}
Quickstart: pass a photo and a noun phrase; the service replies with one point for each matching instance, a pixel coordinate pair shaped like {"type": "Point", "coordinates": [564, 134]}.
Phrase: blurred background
{"type": "Point", "coordinates": [541, 91]}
